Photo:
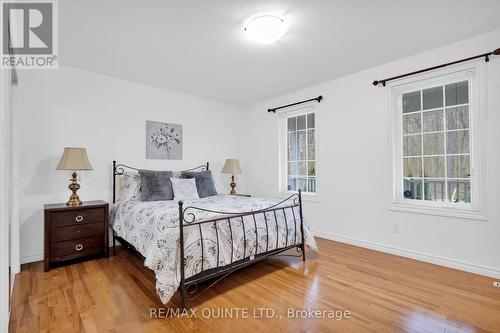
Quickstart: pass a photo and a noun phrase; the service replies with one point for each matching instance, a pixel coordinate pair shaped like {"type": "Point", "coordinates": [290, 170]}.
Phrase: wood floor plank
{"type": "Point", "coordinates": [384, 293]}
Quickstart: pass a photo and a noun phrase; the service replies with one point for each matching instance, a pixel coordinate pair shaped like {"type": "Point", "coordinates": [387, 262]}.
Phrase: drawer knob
{"type": "Point", "coordinates": [79, 218]}
{"type": "Point", "coordinates": [79, 247]}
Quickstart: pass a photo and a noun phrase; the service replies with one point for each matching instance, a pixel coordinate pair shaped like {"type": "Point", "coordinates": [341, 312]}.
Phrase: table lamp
{"type": "Point", "coordinates": [74, 159]}
{"type": "Point", "coordinates": [232, 167]}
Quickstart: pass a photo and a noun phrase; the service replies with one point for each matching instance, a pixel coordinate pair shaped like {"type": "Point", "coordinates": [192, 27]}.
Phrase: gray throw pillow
{"type": "Point", "coordinates": [156, 185]}
{"type": "Point", "coordinates": [204, 182]}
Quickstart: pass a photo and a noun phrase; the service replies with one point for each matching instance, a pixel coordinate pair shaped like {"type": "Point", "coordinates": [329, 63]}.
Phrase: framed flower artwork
{"type": "Point", "coordinates": [163, 140]}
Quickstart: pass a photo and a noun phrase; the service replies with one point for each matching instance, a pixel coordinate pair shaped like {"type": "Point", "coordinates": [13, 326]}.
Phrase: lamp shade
{"type": "Point", "coordinates": [74, 159]}
{"type": "Point", "coordinates": [231, 166]}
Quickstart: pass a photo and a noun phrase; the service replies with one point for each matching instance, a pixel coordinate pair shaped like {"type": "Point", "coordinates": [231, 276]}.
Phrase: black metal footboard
{"type": "Point", "coordinates": [187, 219]}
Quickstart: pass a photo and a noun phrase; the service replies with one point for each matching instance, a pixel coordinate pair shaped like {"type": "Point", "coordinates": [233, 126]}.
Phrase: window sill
{"type": "Point", "coordinates": [438, 211]}
{"type": "Point", "coordinates": [307, 197]}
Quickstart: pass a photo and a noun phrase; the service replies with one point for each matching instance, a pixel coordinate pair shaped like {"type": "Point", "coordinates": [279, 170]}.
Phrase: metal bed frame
{"type": "Point", "coordinates": [187, 218]}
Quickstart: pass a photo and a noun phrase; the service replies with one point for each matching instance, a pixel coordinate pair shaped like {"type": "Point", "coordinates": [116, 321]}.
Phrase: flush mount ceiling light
{"type": "Point", "coordinates": [265, 28]}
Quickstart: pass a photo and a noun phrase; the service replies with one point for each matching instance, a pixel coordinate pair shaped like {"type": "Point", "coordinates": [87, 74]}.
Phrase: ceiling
{"type": "Point", "coordinates": [198, 46]}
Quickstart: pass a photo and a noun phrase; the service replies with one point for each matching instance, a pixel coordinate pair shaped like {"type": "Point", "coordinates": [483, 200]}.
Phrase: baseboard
{"type": "Point", "coordinates": [451, 263]}
{"type": "Point", "coordinates": [31, 258]}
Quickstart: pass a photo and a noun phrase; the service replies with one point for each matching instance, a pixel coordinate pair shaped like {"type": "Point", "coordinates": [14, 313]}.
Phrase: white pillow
{"type": "Point", "coordinates": [131, 186]}
{"type": "Point", "coordinates": [184, 189]}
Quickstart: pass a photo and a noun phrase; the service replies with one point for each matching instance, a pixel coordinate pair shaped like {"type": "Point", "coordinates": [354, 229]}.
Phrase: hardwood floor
{"type": "Point", "coordinates": [384, 293]}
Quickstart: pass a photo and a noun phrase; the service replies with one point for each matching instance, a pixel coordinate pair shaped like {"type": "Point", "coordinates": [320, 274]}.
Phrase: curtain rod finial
{"type": "Point", "coordinates": [497, 51]}
{"type": "Point", "coordinates": [375, 82]}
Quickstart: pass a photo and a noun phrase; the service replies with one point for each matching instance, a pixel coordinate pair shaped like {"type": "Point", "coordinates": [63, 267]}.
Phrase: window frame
{"type": "Point", "coordinates": [474, 73]}
{"type": "Point", "coordinates": [283, 150]}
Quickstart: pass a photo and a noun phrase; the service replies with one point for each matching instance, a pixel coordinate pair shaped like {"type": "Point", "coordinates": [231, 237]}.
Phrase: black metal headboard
{"type": "Point", "coordinates": [119, 169]}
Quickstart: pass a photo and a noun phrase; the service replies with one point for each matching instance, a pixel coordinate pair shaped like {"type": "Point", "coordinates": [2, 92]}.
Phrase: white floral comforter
{"type": "Point", "coordinates": [153, 229]}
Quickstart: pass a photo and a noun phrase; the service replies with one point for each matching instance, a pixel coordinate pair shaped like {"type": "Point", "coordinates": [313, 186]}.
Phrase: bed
{"type": "Point", "coordinates": [186, 243]}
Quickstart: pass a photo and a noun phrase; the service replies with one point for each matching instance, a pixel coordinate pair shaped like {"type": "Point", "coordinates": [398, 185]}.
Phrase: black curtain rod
{"type": "Point", "coordinates": [318, 99]}
{"type": "Point", "coordinates": [486, 57]}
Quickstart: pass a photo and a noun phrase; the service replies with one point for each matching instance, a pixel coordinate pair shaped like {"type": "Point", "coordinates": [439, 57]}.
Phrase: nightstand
{"type": "Point", "coordinates": [75, 232]}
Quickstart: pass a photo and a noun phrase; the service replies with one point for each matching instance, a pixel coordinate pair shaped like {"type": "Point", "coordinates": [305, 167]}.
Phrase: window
{"type": "Point", "coordinates": [300, 152]}
{"type": "Point", "coordinates": [436, 143]}
{"type": "Point", "coordinates": [438, 146]}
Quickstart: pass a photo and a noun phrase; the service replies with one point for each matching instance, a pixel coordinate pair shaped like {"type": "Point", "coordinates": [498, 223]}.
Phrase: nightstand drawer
{"type": "Point", "coordinates": [76, 248]}
{"type": "Point", "coordinates": [81, 216]}
{"type": "Point", "coordinates": [60, 234]}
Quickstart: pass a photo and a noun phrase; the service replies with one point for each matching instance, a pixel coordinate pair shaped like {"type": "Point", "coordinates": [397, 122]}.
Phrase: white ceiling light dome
{"type": "Point", "coordinates": [265, 28]}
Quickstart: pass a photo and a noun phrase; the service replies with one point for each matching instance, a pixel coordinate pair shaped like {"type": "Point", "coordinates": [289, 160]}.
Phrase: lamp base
{"type": "Point", "coordinates": [74, 199]}
{"type": "Point", "coordinates": [233, 185]}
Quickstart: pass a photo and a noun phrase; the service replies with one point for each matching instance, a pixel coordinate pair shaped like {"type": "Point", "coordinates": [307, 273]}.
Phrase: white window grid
{"type": "Point", "coordinates": [445, 154]}
{"type": "Point", "coordinates": [306, 177]}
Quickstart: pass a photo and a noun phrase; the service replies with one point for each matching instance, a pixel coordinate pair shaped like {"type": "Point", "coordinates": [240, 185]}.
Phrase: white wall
{"type": "Point", "coordinates": [14, 181]}
{"type": "Point", "coordinates": [4, 202]}
{"type": "Point", "coordinates": [107, 115]}
{"type": "Point", "coordinates": [69, 107]}
{"type": "Point", "coordinates": [354, 167]}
